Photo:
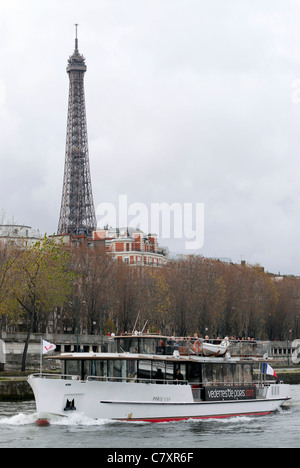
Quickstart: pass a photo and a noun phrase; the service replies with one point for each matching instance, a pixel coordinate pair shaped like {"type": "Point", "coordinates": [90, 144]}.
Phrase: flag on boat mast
{"type": "Point", "coordinates": [267, 369]}
{"type": "Point", "coordinates": [47, 347]}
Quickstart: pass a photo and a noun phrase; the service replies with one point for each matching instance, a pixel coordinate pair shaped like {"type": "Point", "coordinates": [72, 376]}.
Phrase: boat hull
{"type": "Point", "coordinates": [150, 403]}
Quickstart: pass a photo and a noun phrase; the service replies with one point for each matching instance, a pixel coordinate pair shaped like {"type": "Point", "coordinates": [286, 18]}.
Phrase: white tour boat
{"type": "Point", "coordinates": [157, 379]}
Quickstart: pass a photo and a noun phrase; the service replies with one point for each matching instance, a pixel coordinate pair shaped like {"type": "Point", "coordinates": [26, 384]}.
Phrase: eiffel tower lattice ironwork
{"type": "Point", "coordinates": [77, 213]}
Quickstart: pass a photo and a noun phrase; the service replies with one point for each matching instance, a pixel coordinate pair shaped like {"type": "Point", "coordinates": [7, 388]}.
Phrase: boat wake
{"type": "Point", "coordinates": [20, 419]}
{"type": "Point", "coordinates": [77, 419]}
{"type": "Point", "coordinates": [229, 420]}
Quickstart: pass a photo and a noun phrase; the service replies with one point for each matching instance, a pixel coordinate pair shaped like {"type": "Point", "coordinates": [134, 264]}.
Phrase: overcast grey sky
{"type": "Point", "coordinates": [189, 101]}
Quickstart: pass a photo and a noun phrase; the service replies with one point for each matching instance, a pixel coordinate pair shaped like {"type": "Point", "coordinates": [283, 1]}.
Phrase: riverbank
{"type": "Point", "coordinates": [289, 375]}
{"type": "Point", "coordinates": [15, 389]}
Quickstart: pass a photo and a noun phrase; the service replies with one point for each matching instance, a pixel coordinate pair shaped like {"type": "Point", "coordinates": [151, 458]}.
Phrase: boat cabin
{"type": "Point", "coordinates": [155, 359]}
{"type": "Point", "coordinates": [200, 373]}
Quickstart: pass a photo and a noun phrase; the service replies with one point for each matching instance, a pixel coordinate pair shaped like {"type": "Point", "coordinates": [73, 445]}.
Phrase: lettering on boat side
{"type": "Point", "coordinates": [230, 393]}
{"type": "Point", "coordinates": [161, 398]}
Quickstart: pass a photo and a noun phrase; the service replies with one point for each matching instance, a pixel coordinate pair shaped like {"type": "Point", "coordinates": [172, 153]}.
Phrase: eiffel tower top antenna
{"type": "Point", "coordinates": [76, 38]}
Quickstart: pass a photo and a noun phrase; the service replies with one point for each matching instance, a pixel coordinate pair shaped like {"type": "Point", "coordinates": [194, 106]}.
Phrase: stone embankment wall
{"type": "Point", "coordinates": [15, 390]}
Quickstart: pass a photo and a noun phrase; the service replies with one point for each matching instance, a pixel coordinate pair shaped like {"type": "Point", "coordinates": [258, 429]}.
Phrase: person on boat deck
{"type": "Point", "coordinates": [190, 341]}
{"type": "Point", "coordinates": [161, 347]}
{"type": "Point", "coordinates": [178, 377]}
{"type": "Point", "coordinates": [159, 376]}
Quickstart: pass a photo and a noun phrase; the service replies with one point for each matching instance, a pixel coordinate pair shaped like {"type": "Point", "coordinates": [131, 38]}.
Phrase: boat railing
{"type": "Point", "coordinates": [54, 376]}
{"type": "Point", "coordinates": [133, 379]}
{"type": "Point", "coordinates": [108, 379]}
{"type": "Point", "coordinates": [187, 346]}
{"type": "Point", "coordinates": [264, 383]}
{"type": "Point", "coordinates": [136, 380]}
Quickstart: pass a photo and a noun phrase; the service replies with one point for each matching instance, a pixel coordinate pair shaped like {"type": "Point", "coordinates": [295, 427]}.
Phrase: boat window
{"type": "Point", "coordinates": [148, 346]}
{"type": "Point", "coordinates": [100, 368]}
{"type": "Point", "coordinates": [182, 370]}
{"type": "Point", "coordinates": [211, 373]}
{"type": "Point", "coordinates": [152, 370]}
{"type": "Point", "coordinates": [169, 371]}
{"type": "Point", "coordinates": [73, 367]}
{"type": "Point", "coordinates": [194, 372]}
{"type": "Point", "coordinates": [158, 371]}
{"type": "Point", "coordinates": [248, 373]}
{"type": "Point", "coordinates": [129, 345]}
{"type": "Point", "coordinates": [131, 370]}
{"type": "Point", "coordinates": [87, 365]}
{"type": "Point", "coordinates": [117, 368]}
{"type": "Point", "coordinates": [171, 346]}
{"type": "Point", "coordinates": [227, 373]}
{"type": "Point", "coordinates": [142, 345]}
{"type": "Point", "coordinates": [161, 347]}
{"type": "Point", "coordinates": [144, 369]}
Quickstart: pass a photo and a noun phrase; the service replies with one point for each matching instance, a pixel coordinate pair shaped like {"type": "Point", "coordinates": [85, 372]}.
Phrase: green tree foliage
{"type": "Point", "coordinates": [37, 281]}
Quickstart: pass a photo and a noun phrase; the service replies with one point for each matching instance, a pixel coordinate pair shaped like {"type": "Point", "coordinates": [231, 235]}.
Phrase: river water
{"type": "Point", "coordinates": [279, 430]}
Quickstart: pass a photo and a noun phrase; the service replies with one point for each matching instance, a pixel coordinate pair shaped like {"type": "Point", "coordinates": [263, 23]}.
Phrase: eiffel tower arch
{"type": "Point", "coordinates": [77, 213]}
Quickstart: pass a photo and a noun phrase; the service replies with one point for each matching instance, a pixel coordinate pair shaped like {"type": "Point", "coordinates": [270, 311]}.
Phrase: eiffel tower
{"type": "Point", "coordinates": [77, 213]}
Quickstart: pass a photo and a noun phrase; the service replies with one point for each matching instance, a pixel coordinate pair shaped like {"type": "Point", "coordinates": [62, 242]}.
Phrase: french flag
{"type": "Point", "coordinates": [267, 369]}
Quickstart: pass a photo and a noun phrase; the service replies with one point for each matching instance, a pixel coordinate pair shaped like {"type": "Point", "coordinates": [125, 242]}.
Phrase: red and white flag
{"type": "Point", "coordinates": [47, 347]}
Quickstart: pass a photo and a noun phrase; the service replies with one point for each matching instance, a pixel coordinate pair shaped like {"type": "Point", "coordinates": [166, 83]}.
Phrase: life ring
{"type": "Point", "coordinates": [197, 347]}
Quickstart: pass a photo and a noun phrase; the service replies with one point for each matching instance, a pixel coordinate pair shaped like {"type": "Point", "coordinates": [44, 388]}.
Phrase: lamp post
{"type": "Point", "coordinates": [76, 303]}
{"type": "Point", "coordinates": [102, 309]}
{"type": "Point", "coordinates": [221, 314]}
{"type": "Point", "coordinates": [287, 342]}
{"type": "Point", "coordinates": [77, 307]}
